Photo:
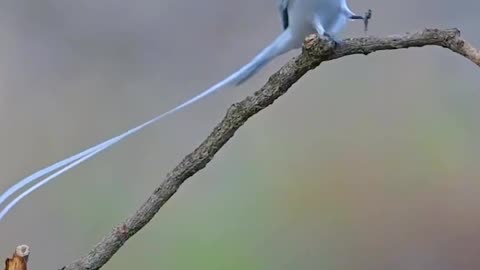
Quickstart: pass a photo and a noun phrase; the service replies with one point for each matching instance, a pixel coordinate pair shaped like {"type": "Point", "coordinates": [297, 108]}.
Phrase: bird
{"type": "Point", "coordinates": [299, 19]}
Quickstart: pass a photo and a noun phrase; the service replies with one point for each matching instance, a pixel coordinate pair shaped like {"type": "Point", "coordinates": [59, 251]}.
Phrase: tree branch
{"type": "Point", "coordinates": [315, 52]}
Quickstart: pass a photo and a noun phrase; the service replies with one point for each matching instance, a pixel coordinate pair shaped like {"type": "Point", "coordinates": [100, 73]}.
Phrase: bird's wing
{"type": "Point", "coordinates": [283, 10]}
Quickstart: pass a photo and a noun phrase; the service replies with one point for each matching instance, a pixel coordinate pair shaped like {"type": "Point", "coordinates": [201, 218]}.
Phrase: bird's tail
{"type": "Point", "coordinates": [280, 45]}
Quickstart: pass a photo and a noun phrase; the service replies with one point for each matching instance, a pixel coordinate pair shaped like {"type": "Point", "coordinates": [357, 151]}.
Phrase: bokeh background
{"type": "Point", "coordinates": [367, 163]}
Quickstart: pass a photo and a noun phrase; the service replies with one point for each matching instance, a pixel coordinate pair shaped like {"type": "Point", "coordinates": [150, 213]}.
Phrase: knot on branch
{"type": "Point", "coordinates": [316, 45]}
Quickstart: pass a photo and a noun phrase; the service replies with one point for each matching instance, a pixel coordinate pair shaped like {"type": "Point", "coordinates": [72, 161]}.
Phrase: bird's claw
{"type": "Point", "coordinates": [366, 18]}
{"type": "Point", "coordinates": [336, 42]}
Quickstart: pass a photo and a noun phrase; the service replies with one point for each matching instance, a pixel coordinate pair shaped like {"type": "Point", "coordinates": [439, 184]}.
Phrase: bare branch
{"type": "Point", "coordinates": [315, 52]}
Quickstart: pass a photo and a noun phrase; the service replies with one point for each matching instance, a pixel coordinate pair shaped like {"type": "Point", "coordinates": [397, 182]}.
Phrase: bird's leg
{"type": "Point", "coordinates": [365, 18]}
{"type": "Point", "coordinates": [337, 41]}
{"type": "Point", "coordinates": [321, 32]}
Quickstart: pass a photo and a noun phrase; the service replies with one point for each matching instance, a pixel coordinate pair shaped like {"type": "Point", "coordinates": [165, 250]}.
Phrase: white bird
{"type": "Point", "coordinates": [300, 18]}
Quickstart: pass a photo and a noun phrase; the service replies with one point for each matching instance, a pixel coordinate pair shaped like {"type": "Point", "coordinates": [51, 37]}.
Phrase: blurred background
{"type": "Point", "coordinates": [367, 162]}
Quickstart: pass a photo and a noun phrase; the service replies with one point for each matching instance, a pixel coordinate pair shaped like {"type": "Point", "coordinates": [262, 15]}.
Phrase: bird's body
{"type": "Point", "coordinates": [304, 17]}
{"type": "Point", "coordinates": [300, 18]}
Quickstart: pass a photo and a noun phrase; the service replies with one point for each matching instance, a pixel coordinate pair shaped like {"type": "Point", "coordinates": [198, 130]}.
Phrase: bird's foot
{"type": "Point", "coordinates": [336, 41]}
{"type": "Point", "coordinates": [365, 18]}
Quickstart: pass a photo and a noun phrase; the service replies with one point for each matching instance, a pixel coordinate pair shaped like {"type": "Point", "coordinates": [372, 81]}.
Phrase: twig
{"type": "Point", "coordinates": [19, 259]}
{"type": "Point", "coordinates": [315, 51]}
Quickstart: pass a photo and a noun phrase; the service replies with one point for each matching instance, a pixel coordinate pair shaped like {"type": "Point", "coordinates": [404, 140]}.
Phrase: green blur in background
{"type": "Point", "coordinates": [367, 162]}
